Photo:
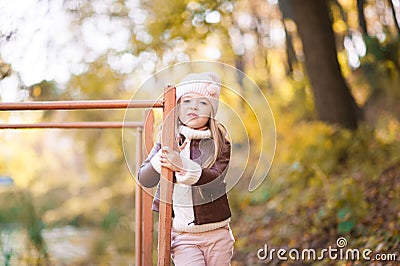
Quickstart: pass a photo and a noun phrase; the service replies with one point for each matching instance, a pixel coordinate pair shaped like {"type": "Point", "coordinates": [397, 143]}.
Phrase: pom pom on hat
{"type": "Point", "coordinates": [206, 84]}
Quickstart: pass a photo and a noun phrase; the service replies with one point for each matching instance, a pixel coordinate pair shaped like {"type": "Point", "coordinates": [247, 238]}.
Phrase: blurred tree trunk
{"type": "Point", "coordinates": [396, 22]}
{"type": "Point", "coordinates": [361, 16]}
{"type": "Point", "coordinates": [333, 100]}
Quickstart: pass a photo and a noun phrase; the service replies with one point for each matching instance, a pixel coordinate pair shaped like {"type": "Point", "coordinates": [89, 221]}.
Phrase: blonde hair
{"type": "Point", "coordinates": [219, 135]}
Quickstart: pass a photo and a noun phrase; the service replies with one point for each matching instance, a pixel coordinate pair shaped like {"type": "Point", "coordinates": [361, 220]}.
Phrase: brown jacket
{"type": "Point", "coordinates": [210, 202]}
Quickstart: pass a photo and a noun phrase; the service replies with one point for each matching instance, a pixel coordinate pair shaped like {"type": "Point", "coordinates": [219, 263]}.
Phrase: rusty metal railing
{"type": "Point", "coordinates": [71, 105]}
{"type": "Point", "coordinates": [143, 213]}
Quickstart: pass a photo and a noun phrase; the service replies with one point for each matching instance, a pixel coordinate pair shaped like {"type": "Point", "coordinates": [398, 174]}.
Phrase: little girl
{"type": "Point", "coordinates": [200, 227]}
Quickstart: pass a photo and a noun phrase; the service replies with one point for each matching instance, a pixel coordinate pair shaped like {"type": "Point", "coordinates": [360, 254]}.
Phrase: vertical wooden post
{"type": "Point", "coordinates": [138, 201]}
{"type": "Point", "coordinates": [147, 198]}
{"type": "Point", "coordinates": [165, 217]}
{"type": "Point", "coordinates": [148, 125]}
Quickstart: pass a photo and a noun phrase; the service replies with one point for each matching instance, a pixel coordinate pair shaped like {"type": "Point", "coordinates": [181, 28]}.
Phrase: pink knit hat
{"type": "Point", "coordinates": [207, 84]}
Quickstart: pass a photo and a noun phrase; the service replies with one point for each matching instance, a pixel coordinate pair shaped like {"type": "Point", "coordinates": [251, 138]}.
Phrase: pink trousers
{"type": "Point", "coordinates": [209, 248]}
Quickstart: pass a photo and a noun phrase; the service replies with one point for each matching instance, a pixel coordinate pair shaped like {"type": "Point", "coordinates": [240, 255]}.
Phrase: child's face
{"type": "Point", "coordinates": [194, 110]}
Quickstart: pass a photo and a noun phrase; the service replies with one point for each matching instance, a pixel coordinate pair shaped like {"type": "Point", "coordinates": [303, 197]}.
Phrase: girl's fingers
{"type": "Point", "coordinates": [183, 145]}
{"type": "Point", "coordinates": [165, 164]}
{"type": "Point", "coordinates": [177, 141]}
{"type": "Point", "coordinates": [169, 166]}
{"type": "Point", "coordinates": [166, 149]}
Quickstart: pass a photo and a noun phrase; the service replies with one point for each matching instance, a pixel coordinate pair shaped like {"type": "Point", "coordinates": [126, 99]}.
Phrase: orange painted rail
{"type": "Point", "coordinates": [147, 198]}
{"type": "Point", "coordinates": [165, 217]}
{"type": "Point", "coordinates": [73, 125]}
{"type": "Point", "coordinates": [69, 105]}
{"type": "Point", "coordinates": [144, 220]}
{"type": "Point", "coordinates": [138, 202]}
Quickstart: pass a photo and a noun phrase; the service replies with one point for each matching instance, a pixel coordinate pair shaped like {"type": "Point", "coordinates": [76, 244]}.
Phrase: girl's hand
{"type": "Point", "coordinates": [171, 159]}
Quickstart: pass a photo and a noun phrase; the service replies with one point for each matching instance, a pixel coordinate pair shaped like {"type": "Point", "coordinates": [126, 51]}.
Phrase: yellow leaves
{"type": "Point", "coordinates": [277, 68]}
{"type": "Point", "coordinates": [388, 128]}
{"type": "Point", "coordinates": [20, 158]}
{"type": "Point", "coordinates": [344, 66]}
{"type": "Point", "coordinates": [361, 93]}
{"type": "Point", "coordinates": [241, 243]}
{"type": "Point", "coordinates": [36, 91]}
{"type": "Point", "coordinates": [5, 69]}
{"type": "Point", "coordinates": [352, 19]}
{"type": "Point", "coordinates": [290, 25]}
{"type": "Point", "coordinates": [244, 203]}
{"type": "Point", "coordinates": [307, 135]}
{"type": "Point", "coordinates": [286, 91]}
{"type": "Point", "coordinates": [26, 165]}
{"type": "Point", "coordinates": [340, 27]}
{"type": "Point", "coordinates": [94, 203]}
{"type": "Point", "coordinates": [347, 3]}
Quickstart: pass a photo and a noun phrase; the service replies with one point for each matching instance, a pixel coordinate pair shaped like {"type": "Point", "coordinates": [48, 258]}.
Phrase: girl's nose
{"type": "Point", "coordinates": [193, 106]}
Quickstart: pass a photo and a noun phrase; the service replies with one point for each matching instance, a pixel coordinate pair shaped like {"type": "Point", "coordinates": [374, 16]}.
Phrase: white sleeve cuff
{"type": "Point", "coordinates": [191, 174]}
{"type": "Point", "coordinates": [156, 162]}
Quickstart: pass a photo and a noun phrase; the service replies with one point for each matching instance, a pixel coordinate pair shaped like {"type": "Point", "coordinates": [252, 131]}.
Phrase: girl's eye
{"type": "Point", "coordinates": [203, 102]}
{"type": "Point", "coordinates": [186, 101]}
